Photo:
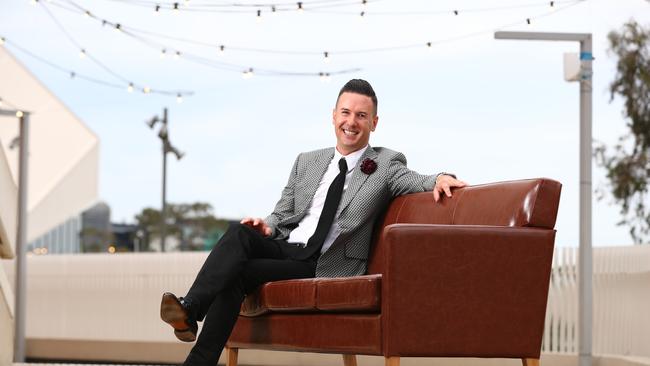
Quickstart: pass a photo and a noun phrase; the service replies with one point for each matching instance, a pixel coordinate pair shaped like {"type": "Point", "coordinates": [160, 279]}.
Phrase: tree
{"type": "Point", "coordinates": [193, 224]}
{"type": "Point", "coordinates": [628, 166]}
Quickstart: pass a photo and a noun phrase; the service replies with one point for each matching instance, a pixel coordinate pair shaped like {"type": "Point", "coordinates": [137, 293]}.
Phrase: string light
{"type": "Point", "coordinates": [222, 49]}
{"type": "Point", "coordinates": [222, 66]}
{"type": "Point", "coordinates": [82, 54]}
{"type": "Point", "coordinates": [300, 9]}
{"type": "Point", "coordinates": [1, 103]}
{"type": "Point", "coordinates": [430, 46]}
{"type": "Point", "coordinates": [163, 53]}
{"type": "Point", "coordinates": [327, 57]}
{"type": "Point", "coordinates": [118, 27]}
{"type": "Point", "coordinates": [248, 73]}
{"type": "Point", "coordinates": [74, 75]}
{"type": "Point", "coordinates": [33, 2]}
{"type": "Point", "coordinates": [156, 10]}
{"type": "Point", "coordinates": [179, 98]}
{"type": "Point", "coordinates": [19, 114]}
{"type": "Point", "coordinates": [552, 3]}
{"type": "Point", "coordinates": [176, 7]}
{"type": "Point", "coordinates": [361, 15]}
{"type": "Point", "coordinates": [131, 31]}
{"type": "Point", "coordinates": [146, 90]}
{"type": "Point", "coordinates": [2, 41]}
{"type": "Point", "coordinates": [273, 9]}
{"type": "Point", "coordinates": [177, 55]}
{"type": "Point", "coordinates": [87, 14]}
{"type": "Point", "coordinates": [259, 16]}
{"type": "Point", "coordinates": [324, 76]}
{"type": "Point", "coordinates": [315, 6]}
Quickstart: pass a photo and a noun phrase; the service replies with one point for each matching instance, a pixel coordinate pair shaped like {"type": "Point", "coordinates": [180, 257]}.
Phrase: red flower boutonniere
{"type": "Point", "coordinates": [368, 166]}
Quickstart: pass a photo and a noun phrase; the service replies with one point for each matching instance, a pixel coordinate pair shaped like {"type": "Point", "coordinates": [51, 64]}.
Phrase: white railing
{"type": "Point", "coordinates": [107, 297]}
{"type": "Point", "coordinates": [621, 302]}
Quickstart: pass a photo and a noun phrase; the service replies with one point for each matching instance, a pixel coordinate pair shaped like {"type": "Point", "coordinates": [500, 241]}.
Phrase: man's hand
{"type": "Point", "coordinates": [258, 224]}
{"type": "Point", "coordinates": [444, 183]}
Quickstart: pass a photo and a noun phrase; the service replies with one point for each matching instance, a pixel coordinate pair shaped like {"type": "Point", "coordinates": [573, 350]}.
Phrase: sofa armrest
{"type": "Point", "coordinates": [473, 291]}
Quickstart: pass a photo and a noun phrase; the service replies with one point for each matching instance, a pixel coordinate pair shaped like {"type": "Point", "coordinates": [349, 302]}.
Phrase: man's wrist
{"type": "Point", "coordinates": [444, 173]}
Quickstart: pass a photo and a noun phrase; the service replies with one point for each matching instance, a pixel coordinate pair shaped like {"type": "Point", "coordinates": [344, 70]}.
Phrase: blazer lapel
{"type": "Point", "coordinates": [316, 169]}
{"type": "Point", "coordinates": [357, 180]}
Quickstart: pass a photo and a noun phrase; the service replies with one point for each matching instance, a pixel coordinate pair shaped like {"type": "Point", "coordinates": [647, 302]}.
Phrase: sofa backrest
{"type": "Point", "coordinates": [522, 203]}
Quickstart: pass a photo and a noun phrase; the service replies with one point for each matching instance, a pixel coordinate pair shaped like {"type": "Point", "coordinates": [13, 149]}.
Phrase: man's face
{"type": "Point", "coordinates": [353, 118]}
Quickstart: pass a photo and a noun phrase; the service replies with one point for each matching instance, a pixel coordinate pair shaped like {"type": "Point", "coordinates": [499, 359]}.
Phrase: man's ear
{"type": "Point", "coordinates": [334, 116]}
{"type": "Point", "coordinates": [374, 122]}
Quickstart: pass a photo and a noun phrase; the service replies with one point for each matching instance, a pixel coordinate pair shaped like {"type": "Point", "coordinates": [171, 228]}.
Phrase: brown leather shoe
{"type": "Point", "coordinates": [175, 314]}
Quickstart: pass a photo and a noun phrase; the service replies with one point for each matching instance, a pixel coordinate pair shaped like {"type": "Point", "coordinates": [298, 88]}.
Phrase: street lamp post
{"type": "Point", "coordinates": [585, 297]}
{"type": "Point", "coordinates": [167, 147]}
{"type": "Point", "coordinates": [21, 235]}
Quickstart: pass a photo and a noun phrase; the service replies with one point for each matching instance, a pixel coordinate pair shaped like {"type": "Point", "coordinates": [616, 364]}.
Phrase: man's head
{"type": "Point", "coordinates": [354, 116]}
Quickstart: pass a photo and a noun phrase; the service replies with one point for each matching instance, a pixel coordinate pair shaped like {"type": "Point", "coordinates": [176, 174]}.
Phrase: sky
{"type": "Point", "coordinates": [487, 110]}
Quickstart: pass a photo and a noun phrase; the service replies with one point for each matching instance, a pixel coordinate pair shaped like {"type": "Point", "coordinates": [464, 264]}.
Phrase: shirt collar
{"type": "Point", "coordinates": [352, 158]}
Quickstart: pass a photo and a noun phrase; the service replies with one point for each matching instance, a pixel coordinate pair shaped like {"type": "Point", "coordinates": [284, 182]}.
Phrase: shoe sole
{"type": "Point", "coordinates": [172, 313]}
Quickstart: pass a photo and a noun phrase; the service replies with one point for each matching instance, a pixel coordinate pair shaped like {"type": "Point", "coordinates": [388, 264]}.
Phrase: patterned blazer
{"type": "Point", "coordinates": [365, 198]}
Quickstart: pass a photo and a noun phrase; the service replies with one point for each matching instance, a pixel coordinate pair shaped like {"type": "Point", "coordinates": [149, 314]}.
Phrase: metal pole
{"type": "Point", "coordinates": [585, 262]}
{"type": "Point", "coordinates": [21, 241]}
{"type": "Point", "coordinates": [163, 213]}
{"type": "Point", "coordinates": [585, 274]}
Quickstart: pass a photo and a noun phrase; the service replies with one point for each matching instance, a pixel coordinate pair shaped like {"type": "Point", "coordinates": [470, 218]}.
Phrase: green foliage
{"type": "Point", "coordinates": [95, 241]}
{"type": "Point", "coordinates": [193, 224]}
{"type": "Point", "coordinates": [628, 166]}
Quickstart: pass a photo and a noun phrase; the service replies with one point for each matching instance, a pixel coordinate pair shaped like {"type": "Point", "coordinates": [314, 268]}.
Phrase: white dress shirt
{"type": "Point", "coordinates": [307, 226]}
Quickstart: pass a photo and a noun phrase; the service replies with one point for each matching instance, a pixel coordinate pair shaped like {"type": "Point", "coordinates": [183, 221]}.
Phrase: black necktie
{"type": "Point", "coordinates": [332, 200]}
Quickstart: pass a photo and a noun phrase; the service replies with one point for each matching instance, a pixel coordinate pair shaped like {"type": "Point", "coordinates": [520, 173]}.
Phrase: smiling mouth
{"type": "Point", "coordinates": [349, 132]}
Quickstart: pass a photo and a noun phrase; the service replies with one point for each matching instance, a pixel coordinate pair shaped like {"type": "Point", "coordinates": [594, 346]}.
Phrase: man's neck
{"type": "Point", "coordinates": [346, 153]}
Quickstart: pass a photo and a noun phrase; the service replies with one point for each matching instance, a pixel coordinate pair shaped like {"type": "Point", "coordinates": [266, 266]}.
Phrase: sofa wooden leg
{"type": "Point", "coordinates": [392, 361]}
{"type": "Point", "coordinates": [349, 360]}
{"type": "Point", "coordinates": [530, 361]}
{"type": "Point", "coordinates": [231, 356]}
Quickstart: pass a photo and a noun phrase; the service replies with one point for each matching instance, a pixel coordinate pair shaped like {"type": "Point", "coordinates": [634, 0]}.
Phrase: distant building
{"type": "Point", "coordinates": [63, 164]}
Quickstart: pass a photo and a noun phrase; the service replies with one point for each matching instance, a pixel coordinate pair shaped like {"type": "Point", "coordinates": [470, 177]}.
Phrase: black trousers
{"type": "Point", "coordinates": [240, 262]}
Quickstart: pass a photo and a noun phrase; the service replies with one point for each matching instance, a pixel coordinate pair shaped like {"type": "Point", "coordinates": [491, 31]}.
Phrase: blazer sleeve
{"type": "Point", "coordinates": [285, 206]}
{"type": "Point", "coordinates": [402, 180]}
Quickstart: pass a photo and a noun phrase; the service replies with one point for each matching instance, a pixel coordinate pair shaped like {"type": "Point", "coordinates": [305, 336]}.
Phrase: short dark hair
{"type": "Point", "coordinates": [359, 86]}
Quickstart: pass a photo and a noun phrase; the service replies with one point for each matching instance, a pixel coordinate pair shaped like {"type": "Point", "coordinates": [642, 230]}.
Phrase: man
{"type": "Point", "coordinates": [321, 226]}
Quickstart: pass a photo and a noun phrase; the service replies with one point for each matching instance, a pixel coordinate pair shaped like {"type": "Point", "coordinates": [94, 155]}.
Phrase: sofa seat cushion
{"type": "Point", "coordinates": [313, 295]}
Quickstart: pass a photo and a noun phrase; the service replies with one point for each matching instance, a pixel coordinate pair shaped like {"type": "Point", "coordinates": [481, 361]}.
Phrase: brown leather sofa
{"type": "Point", "coordinates": [467, 277]}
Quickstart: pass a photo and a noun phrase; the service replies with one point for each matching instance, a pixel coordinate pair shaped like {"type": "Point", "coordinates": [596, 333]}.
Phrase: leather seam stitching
{"type": "Point", "coordinates": [453, 215]}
